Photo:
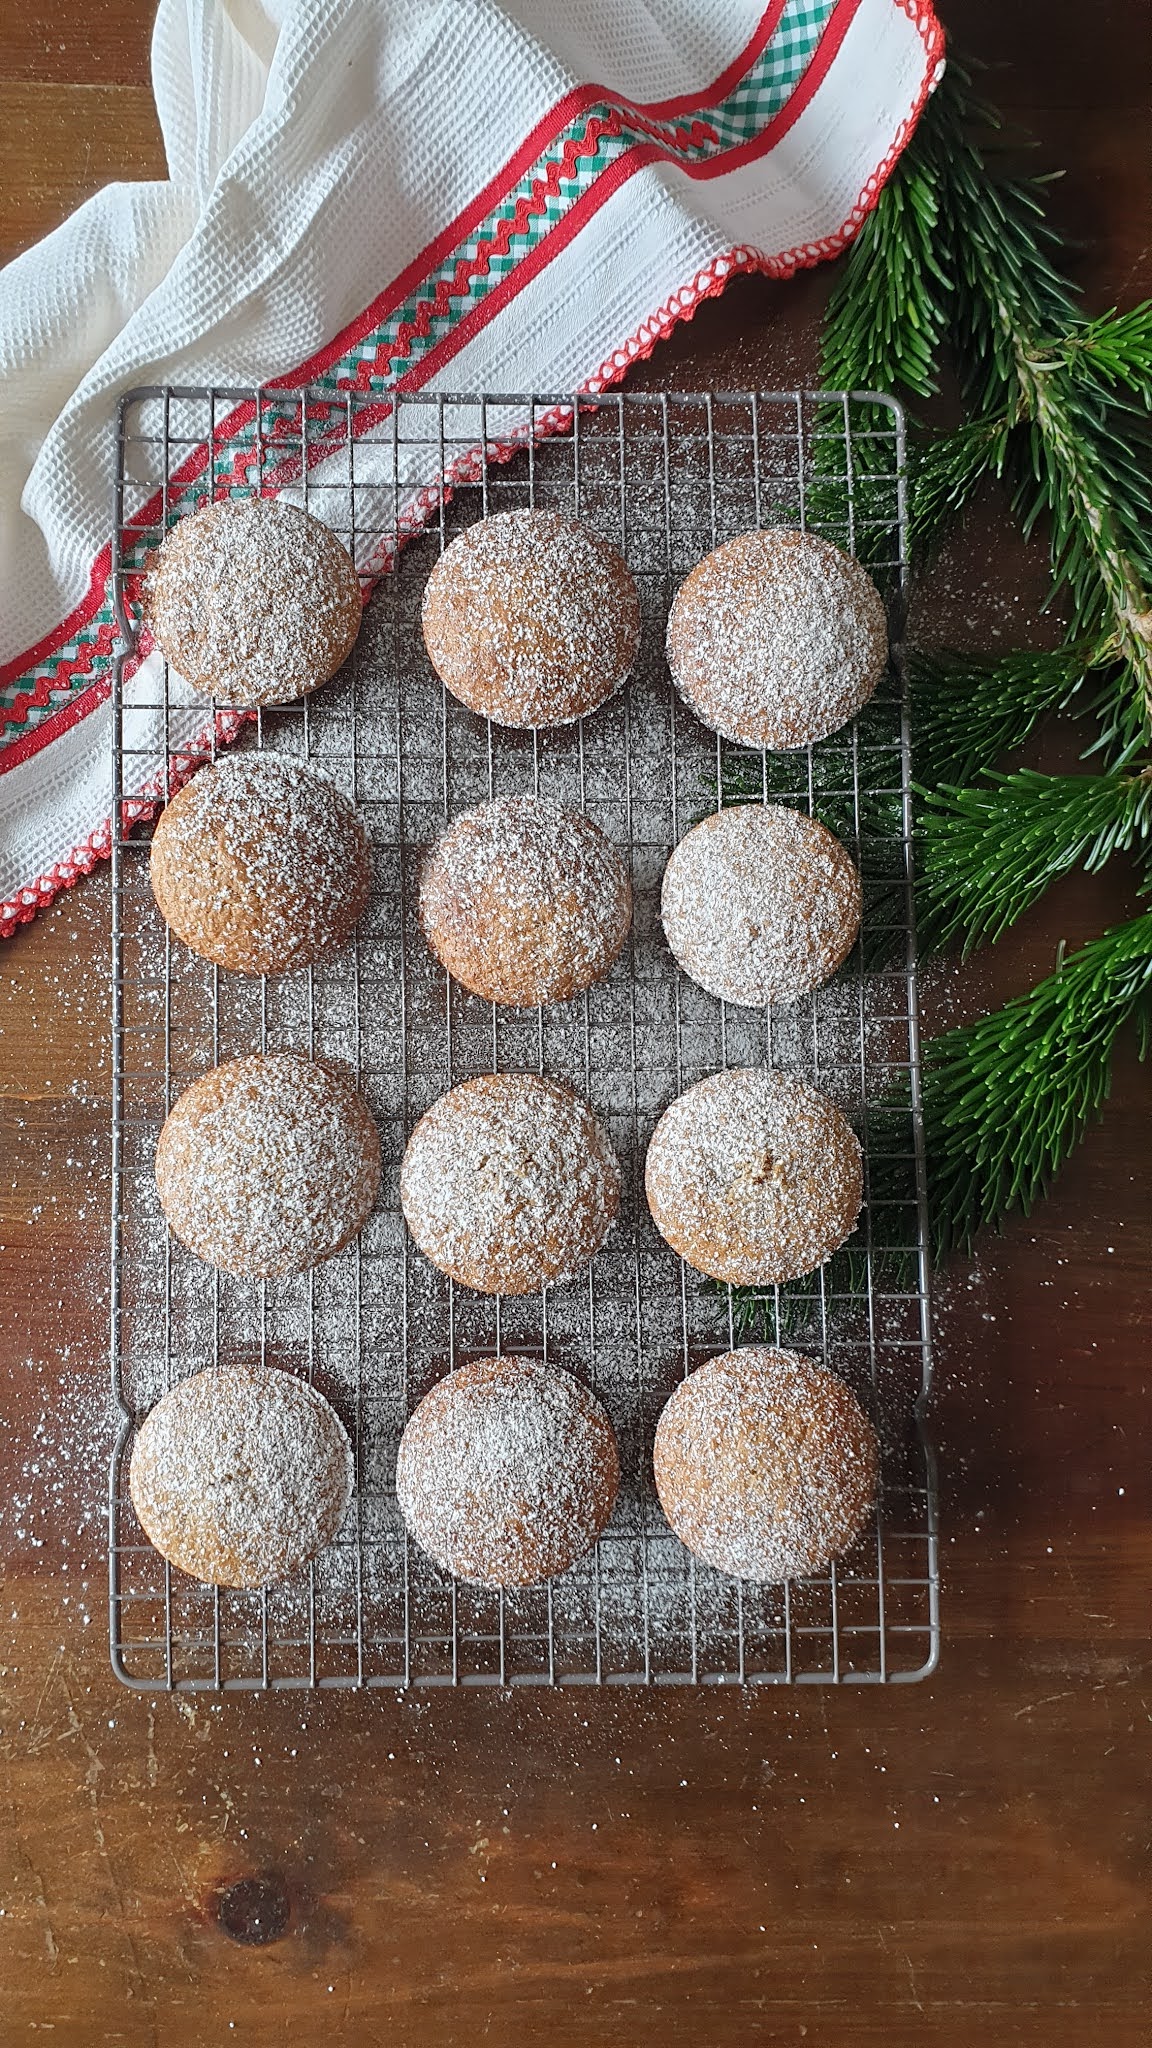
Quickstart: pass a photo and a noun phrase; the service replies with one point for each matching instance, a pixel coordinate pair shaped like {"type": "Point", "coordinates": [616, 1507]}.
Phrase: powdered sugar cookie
{"type": "Point", "coordinates": [754, 1177]}
{"type": "Point", "coordinates": [760, 904]}
{"type": "Point", "coordinates": [507, 1472]}
{"type": "Point", "coordinates": [766, 1465]}
{"type": "Point", "coordinates": [241, 1474]}
{"type": "Point", "coordinates": [509, 1182]}
{"type": "Point", "coordinates": [268, 1164]}
{"type": "Point", "coordinates": [531, 619]}
{"type": "Point", "coordinates": [777, 638]}
{"type": "Point", "coordinates": [260, 864]}
{"type": "Point", "coordinates": [253, 601]}
{"type": "Point", "coordinates": [525, 901]}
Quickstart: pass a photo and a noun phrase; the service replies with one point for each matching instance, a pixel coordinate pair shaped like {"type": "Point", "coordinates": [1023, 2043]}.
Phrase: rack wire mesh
{"type": "Point", "coordinates": [666, 477]}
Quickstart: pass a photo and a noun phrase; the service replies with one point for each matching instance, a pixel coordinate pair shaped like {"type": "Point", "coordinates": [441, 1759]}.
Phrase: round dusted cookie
{"type": "Point", "coordinates": [531, 619]}
{"type": "Point", "coordinates": [754, 1177]}
{"type": "Point", "coordinates": [766, 1465]}
{"type": "Point", "coordinates": [260, 864]}
{"type": "Point", "coordinates": [507, 1472]}
{"type": "Point", "coordinates": [509, 1182]}
{"type": "Point", "coordinates": [760, 904]}
{"type": "Point", "coordinates": [240, 1474]}
{"type": "Point", "coordinates": [253, 601]}
{"type": "Point", "coordinates": [524, 901]}
{"type": "Point", "coordinates": [777, 638]}
{"type": "Point", "coordinates": [268, 1164]}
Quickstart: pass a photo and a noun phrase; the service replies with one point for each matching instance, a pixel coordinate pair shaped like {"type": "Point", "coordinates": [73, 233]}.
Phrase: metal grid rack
{"type": "Point", "coordinates": [666, 477]}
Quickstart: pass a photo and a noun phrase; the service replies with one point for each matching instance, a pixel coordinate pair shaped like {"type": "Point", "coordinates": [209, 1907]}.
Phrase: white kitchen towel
{"type": "Point", "coordinates": [481, 195]}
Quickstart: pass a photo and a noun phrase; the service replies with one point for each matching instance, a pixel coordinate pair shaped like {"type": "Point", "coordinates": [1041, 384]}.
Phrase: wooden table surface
{"type": "Point", "coordinates": [963, 1864]}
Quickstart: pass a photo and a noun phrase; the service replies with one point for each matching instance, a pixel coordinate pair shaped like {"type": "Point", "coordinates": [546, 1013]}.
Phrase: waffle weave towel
{"type": "Point", "coordinates": [457, 193]}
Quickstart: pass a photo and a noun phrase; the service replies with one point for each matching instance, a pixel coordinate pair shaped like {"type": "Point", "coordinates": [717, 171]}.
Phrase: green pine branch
{"type": "Point", "coordinates": [985, 854]}
{"type": "Point", "coordinates": [959, 258]}
{"type": "Point", "coordinates": [888, 314]}
{"type": "Point", "coordinates": [1071, 455]}
{"type": "Point", "coordinates": [1008, 1098]}
{"type": "Point", "coordinates": [947, 472]}
{"type": "Point", "coordinates": [960, 252]}
{"type": "Point", "coordinates": [1115, 351]}
{"type": "Point", "coordinates": [969, 709]}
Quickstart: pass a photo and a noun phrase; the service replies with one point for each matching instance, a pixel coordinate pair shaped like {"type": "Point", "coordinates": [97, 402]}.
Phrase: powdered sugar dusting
{"type": "Point", "coordinates": [260, 863]}
{"type": "Point", "coordinates": [760, 904]}
{"type": "Point", "coordinates": [531, 619]}
{"type": "Point", "coordinates": [507, 1471]}
{"type": "Point", "coordinates": [509, 1183]}
{"type": "Point", "coordinates": [268, 1164]}
{"type": "Point", "coordinates": [253, 600]}
{"type": "Point", "coordinates": [766, 1465]}
{"type": "Point", "coordinates": [525, 901]}
{"type": "Point", "coordinates": [777, 638]}
{"type": "Point", "coordinates": [754, 1176]}
{"type": "Point", "coordinates": [240, 1474]}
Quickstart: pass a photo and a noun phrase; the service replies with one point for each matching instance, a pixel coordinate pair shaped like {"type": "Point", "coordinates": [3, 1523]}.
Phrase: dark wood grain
{"type": "Point", "coordinates": [958, 1865]}
{"type": "Point", "coordinates": [59, 143]}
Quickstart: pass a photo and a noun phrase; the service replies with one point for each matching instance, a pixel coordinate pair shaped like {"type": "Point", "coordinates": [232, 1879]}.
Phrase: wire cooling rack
{"type": "Point", "coordinates": [666, 477]}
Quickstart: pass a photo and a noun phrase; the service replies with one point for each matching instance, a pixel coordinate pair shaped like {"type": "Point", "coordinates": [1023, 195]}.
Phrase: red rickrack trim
{"type": "Point", "coordinates": [708, 283]}
{"type": "Point", "coordinates": [79, 664]}
{"type": "Point", "coordinates": [923, 16]}
{"type": "Point", "coordinates": [529, 205]}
